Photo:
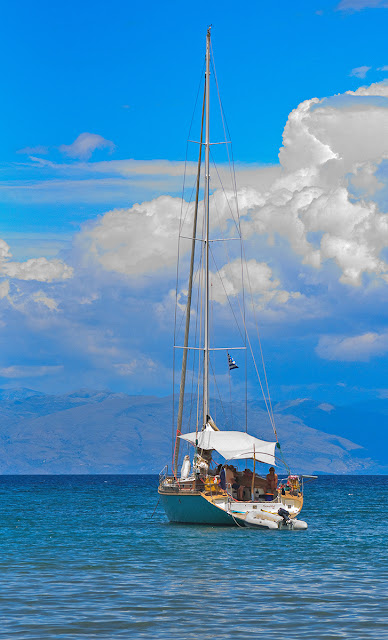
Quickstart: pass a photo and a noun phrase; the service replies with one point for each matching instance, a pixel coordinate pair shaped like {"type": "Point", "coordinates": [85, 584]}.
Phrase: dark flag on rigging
{"type": "Point", "coordinates": [231, 363]}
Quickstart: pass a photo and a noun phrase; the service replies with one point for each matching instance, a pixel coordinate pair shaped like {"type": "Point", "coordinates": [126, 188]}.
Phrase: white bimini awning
{"type": "Point", "coordinates": [234, 445]}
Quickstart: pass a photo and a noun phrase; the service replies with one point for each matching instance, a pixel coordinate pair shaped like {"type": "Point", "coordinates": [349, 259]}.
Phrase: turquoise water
{"type": "Point", "coordinates": [81, 557]}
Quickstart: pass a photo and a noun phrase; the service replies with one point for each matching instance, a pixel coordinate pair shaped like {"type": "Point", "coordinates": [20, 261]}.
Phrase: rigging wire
{"type": "Point", "coordinates": [233, 176]}
{"type": "Point", "coordinates": [226, 294]}
{"type": "Point", "coordinates": [177, 267]}
{"type": "Point", "coordinates": [224, 192]}
{"type": "Point", "coordinates": [242, 307]}
{"type": "Point", "coordinates": [211, 330]}
{"type": "Point", "coordinates": [253, 356]}
{"type": "Point", "coordinates": [219, 395]}
{"type": "Point", "coordinates": [197, 318]}
{"type": "Point", "coordinates": [230, 396]}
{"type": "Point", "coordinates": [267, 405]}
{"type": "Point", "coordinates": [200, 328]}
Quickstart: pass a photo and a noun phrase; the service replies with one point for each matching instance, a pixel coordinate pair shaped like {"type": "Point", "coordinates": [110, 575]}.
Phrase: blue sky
{"type": "Point", "coordinates": [96, 107]}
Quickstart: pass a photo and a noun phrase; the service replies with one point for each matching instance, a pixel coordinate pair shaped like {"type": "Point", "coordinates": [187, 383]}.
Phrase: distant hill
{"type": "Point", "coordinates": [18, 394]}
{"type": "Point", "coordinates": [91, 431]}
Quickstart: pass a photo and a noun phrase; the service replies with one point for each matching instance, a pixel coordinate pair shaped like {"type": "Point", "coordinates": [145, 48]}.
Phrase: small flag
{"type": "Point", "coordinates": [231, 363]}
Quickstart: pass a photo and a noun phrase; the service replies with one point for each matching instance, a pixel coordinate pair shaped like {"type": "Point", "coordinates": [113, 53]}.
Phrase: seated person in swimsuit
{"type": "Point", "coordinates": [247, 478]}
{"type": "Point", "coordinates": [271, 481]}
{"type": "Point", "coordinates": [247, 474]}
{"type": "Point", "coordinates": [231, 479]}
{"type": "Point", "coordinates": [259, 483]}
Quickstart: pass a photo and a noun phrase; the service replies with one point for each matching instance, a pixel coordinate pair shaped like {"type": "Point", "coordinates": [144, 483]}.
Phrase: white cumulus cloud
{"type": "Point", "coordinates": [329, 147]}
{"type": "Point", "coordinates": [374, 89]}
{"type": "Point", "coordinates": [353, 349]}
{"type": "Point", "coordinates": [40, 269]}
{"type": "Point", "coordinates": [360, 72]}
{"type": "Point", "coordinates": [321, 201]}
{"type": "Point", "coordinates": [227, 283]}
{"type": "Point", "coordinates": [135, 241]}
{"type": "Point", "coordinates": [85, 145]}
{"type": "Point", "coordinates": [4, 289]}
{"type": "Point", "coordinates": [40, 297]}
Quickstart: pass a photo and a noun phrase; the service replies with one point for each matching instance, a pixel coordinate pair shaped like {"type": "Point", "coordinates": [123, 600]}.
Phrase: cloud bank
{"type": "Point", "coordinates": [321, 203]}
{"type": "Point", "coordinates": [136, 241]}
{"type": "Point", "coordinates": [40, 269]}
{"type": "Point", "coordinates": [359, 348]}
{"type": "Point", "coordinates": [315, 230]}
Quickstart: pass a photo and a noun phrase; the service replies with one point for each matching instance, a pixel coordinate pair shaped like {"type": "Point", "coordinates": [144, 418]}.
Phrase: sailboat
{"type": "Point", "coordinates": [198, 493]}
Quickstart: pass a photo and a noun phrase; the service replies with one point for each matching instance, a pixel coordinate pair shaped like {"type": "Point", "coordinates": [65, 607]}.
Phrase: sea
{"type": "Point", "coordinates": [95, 557]}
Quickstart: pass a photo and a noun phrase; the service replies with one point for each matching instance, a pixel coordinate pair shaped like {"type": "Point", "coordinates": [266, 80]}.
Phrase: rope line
{"type": "Point", "coordinates": [233, 175]}
{"type": "Point", "coordinates": [230, 197]}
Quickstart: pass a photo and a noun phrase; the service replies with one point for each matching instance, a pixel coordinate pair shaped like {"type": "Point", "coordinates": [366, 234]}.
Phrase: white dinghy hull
{"type": "Point", "coordinates": [266, 520]}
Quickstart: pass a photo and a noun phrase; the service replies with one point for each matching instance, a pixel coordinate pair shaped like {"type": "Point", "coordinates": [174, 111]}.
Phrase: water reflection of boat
{"type": "Point", "coordinates": [222, 495]}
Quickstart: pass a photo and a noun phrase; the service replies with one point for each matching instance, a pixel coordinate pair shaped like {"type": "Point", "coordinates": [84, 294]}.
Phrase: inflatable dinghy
{"type": "Point", "coordinates": [280, 520]}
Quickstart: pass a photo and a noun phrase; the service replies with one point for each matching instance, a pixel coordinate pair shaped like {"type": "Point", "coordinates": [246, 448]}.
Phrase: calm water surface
{"type": "Point", "coordinates": [82, 557]}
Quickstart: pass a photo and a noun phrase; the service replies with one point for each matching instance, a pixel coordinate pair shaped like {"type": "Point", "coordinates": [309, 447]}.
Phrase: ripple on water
{"type": "Point", "coordinates": [82, 558]}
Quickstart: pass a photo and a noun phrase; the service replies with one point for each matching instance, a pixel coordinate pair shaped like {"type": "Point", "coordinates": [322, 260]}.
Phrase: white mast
{"type": "Point", "coordinates": [207, 180]}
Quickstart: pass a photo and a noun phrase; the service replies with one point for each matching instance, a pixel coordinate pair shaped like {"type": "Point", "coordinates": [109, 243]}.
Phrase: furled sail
{"type": "Point", "coordinates": [234, 445]}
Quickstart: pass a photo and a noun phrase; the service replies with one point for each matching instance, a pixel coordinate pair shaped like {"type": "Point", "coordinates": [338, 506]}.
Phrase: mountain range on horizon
{"type": "Point", "coordinates": [92, 431]}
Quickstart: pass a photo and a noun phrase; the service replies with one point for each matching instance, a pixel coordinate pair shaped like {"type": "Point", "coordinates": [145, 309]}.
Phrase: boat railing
{"type": "Point", "coordinates": [292, 485]}
{"type": "Point", "coordinates": [306, 478]}
{"type": "Point", "coordinates": [163, 473]}
{"type": "Point", "coordinates": [192, 484]}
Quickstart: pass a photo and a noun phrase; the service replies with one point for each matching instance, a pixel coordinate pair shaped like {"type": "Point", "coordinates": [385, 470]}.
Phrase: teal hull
{"type": "Point", "coordinates": [194, 509]}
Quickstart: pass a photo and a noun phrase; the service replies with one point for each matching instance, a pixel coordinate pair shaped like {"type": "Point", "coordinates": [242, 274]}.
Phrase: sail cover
{"type": "Point", "coordinates": [234, 445]}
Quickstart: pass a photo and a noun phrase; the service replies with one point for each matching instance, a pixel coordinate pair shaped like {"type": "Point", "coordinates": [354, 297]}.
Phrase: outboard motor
{"type": "Point", "coordinates": [285, 515]}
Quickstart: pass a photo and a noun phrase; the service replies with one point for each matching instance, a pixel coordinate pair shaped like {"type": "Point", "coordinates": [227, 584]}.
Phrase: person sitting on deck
{"type": "Point", "coordinates": [231, 480]}
{"type": "Point", "coordinates": [272, 481]}
{"type": "Point", "coordinates": [247, 477]}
